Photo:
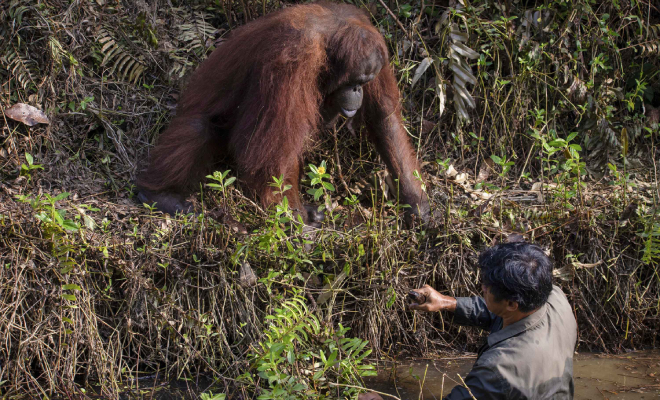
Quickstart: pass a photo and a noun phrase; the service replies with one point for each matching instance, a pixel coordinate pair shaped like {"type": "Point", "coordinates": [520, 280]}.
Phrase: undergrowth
{"type": "Point", "coordinates": [536, 118]}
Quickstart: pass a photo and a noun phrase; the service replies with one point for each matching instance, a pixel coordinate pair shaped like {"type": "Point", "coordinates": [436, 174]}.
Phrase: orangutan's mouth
{"type": "Point", "coordinates": [348, 113]}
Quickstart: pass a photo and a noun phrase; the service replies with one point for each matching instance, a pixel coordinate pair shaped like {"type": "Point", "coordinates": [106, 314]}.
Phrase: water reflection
{"type": "Point", "coordinates": [630, 376]}
{"type": "Point", "coordinates": [153, 388]}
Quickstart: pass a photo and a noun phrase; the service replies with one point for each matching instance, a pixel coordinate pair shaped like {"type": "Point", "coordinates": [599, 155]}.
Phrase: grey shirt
{"type": "Point", "coordinates": [530, 359]}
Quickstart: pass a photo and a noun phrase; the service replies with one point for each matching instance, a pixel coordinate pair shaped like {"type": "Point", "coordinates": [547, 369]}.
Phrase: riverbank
{"type": "Point", "coordinates": [630, 376]}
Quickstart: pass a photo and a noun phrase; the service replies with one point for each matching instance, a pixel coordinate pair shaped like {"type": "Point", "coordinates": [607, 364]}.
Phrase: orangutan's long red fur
{"type": "Point", "coordinates": [258, 98]}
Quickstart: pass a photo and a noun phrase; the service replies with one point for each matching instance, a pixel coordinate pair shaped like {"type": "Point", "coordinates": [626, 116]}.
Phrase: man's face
{"type": "Point", "coordinates": [499, 308]}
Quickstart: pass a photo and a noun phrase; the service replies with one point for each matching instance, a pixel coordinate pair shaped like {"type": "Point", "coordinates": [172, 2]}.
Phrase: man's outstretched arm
{"type": "Point", "coordinates": [468, 311]}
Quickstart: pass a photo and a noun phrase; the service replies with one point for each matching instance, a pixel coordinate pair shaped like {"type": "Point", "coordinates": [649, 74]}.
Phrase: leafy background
{"type": "Point", "coordinates": [531, 118]}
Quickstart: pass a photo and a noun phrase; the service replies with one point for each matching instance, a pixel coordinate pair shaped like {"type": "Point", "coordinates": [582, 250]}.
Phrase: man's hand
{"type": "Point", "coordinates": [369, 396]}
{"type": "Point", "coordinates": [434, 301]}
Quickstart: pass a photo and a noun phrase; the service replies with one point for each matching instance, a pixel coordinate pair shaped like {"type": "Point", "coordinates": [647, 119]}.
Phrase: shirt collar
{"type": "Point", "coordinates": [527, 323]}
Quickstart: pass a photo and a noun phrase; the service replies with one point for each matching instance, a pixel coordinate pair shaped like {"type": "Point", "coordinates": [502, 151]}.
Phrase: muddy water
{"type": "Point", "coordinates": [630, 376]}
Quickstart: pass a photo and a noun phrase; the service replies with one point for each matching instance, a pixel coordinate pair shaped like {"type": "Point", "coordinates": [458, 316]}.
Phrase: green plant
{"type": "Point", "coordinates": [637, 95]}
{"type": "Point", "coordinates": [53, 218]}
{"type": "Point", "coordinates": [562, 162]}
{"type": "Point", "coordinates": [317, 176]}
{"type": "Point", "coordinates": [651, 237]}
{"type": "Point", "coordinates": [56, 227]}
{"type": "Point", "coordinates": [222, 181]}
{"type": "Point", "coordinates": [295, 342]}
{"type": "Point", "coordinates": [502, 162]}
{"type": "Point", "coordinates": [621, 179]}
{"type": "Point", "coordinates": [83, 104]}
{"type": "Point", "coordinates": [211, 396]}
{"type": "Point", "coordinates": [279, 184]}
{"type": "Point", "coordinates": [274, 232]}
{"type": "Point", "coordinates": [443, 164]}
{"type": "Point", "coordinates": [151, 207]}
{"type": "Point", "coordinates": [26, 169]}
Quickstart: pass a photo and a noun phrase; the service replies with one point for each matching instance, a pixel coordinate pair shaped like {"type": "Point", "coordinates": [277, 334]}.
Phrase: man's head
{"type": "Point", "coordinates": [516, 278]}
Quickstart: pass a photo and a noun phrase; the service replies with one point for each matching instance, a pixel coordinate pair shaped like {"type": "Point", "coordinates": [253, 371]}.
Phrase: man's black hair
{"type": "Point", "coordinates": [519, 272]}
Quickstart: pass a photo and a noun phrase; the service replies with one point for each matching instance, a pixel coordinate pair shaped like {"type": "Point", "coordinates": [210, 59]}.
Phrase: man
{"type": "Point", "coordinates": [529, 352]}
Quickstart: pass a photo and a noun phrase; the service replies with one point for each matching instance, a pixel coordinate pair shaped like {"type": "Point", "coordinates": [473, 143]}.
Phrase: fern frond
{"type": "Point", "coordinates": [117, 54]}
{"type": "Point", "coordinates": [195, 39]}
{"type": "Point", "coordinates": [23, 69]}
{"type": "Point", "coordinates": [607, 132]}
{"type": "Point", "coordinates": [196, 34]}
{"type": "Point", "coordinates": [651, 238]}
{"type": "Point", "coordinates": [16, 12]}
{"type": "Point", "coordinates": [459, 54]}
{"type": "Point", "coordinates": [651, 44]}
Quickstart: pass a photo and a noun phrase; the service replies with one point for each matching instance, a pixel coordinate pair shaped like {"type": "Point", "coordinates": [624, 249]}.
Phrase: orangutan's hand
{"type": "Point", "coordinates": [434, 301]}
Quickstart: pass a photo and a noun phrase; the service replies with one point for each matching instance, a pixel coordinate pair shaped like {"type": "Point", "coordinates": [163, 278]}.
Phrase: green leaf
{"type": "Point", "coordinates": [70, 297]}
{"type": "Point", "coordinates": [61, 196]}
{"type": "Point", "coordinates": [28, 158]}
{"type": "Point", "coordinates": [58, 217]}
{"type": "Point", "coordinates": [331, 359]}
{"type": "Point", "coordinates": [558, 143]}
{"type": "Point", "coordinates": [66, 269]}
{"type": "Point", "coordinates": [43, 217]}
{"type": "Point", "coordinates": [70, 225]}
{"type": "Point", "coordinates": [277, 348]}
{"type": "Point", "coordinates": [392, 299]}
{"type": "Point", "coordinates": [71, 286]}
{"type": "Point", "coordinates": [496, 159]}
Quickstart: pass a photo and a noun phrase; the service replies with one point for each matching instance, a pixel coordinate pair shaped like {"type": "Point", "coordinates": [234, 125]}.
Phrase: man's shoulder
{"type": "Point", "coordinates": [558, 304]}
{"type": "Point", "coordinates": [558, 294]}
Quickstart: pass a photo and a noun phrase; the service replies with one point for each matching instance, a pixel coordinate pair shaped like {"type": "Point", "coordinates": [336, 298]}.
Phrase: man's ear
{"type": "Point", "coordinates": [511, 306]}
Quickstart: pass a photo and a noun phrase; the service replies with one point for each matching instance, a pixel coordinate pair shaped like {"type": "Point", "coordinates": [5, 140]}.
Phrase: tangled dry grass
{"type": "Point", "coordinates": [97, 288]}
